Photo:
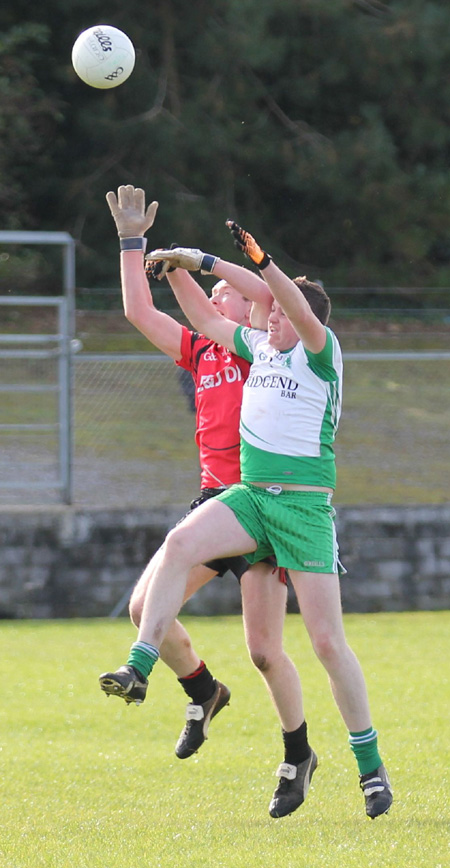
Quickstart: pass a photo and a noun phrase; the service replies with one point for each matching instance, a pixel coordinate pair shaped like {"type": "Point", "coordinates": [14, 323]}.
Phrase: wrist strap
{"type": "Point", "coordinates": [208, 262]}
{"type": "Point", "coordinates": [139, 243]}
{"type": "Point", "coordinates": [265, 261]}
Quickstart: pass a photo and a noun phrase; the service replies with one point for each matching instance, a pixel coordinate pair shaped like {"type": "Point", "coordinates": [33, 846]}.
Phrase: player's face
{"type": "Point", "coordinates": [282, 335]}
{"type": "Point", "coordinates": [231, 304]}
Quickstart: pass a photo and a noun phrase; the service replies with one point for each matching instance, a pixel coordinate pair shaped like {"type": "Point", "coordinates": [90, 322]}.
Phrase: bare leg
{"type": "Point", "coordinates": [176, 651]}
{"type": "Point", "coordinates": [211, 531]}
{"type": "Point", "coordinates": [137, 598]}
{"type": "Point", "coordinates": [319, 599]}
{"type": "Point", "coordinates": [264, 608]}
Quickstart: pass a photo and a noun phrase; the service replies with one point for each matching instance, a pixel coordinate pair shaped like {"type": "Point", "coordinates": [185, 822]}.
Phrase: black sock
{"type": "Point", "coordinates": [200, 685]}
{"type": "Point", "coordinates": [296, 747]}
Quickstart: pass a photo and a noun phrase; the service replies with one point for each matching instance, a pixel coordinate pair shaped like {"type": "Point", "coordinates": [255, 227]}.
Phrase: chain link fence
{"type": "Point", "coordinates": [35, 393]}
{"type": "Point", "coordinates": [28, 426]}
{"type": "Point", "coordinates": [133, 431]}
{"type": "Point", "coordinates": [392, 444]}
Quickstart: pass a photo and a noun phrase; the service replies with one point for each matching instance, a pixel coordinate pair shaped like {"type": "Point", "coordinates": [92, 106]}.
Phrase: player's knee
{"type": "Point", "coordinates": [177, 544]}
{"type": "Point", "coordinates": [136, 604]}
{"type": "Point", "coordinates": [326, 646]}
{"type": "Point", "coordinates": [135, 611]}
{"type": "Point", "coordinates": [259, 659]}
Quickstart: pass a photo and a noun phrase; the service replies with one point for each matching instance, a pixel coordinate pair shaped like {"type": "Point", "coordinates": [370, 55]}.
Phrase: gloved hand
{"type": "Point", "coordinates": [128, 210]}
{"type": "Point", "coordinates": [247, 244]}
{"type": "Point", "coordinates": [189, 258]}
{"type": "Point", "coordinates": [158, 269]}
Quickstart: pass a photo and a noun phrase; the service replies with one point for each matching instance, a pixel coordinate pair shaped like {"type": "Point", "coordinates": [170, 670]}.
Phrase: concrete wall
{"type": "Point", "coordinates": [397, 558]}
{"type": "Point", "coordinates": [58, 562]}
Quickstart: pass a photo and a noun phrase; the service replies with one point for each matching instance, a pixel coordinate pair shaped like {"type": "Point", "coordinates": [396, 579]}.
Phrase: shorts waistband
{"type": "Point", "coordinates": [278, 487]}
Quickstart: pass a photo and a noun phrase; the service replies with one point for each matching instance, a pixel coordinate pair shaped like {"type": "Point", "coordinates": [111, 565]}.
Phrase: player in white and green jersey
{"type": "Point", "coordinates": [289, 416]}
{"type": "Point", "coordinates": [295, 385]}
{"type": "Point", "coordinates": [283, 505]}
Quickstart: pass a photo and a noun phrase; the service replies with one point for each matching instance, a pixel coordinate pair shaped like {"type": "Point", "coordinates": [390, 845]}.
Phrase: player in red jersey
{"type": "Point", "coordinates": [219, 377]}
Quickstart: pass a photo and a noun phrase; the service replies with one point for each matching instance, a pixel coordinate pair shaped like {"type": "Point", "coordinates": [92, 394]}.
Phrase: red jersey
{"type": "Point", "coordinates": [219, 378]}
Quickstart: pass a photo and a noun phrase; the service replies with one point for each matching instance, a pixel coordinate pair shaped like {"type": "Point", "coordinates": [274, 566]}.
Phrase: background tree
{"type": "Point", "coordinates": [323, 127]}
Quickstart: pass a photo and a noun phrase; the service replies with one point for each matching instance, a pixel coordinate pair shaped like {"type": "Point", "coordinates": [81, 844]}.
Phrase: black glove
{"type": "Point", "coordinates": [247, 244]}
{"type": "Point", "coordinates": [158, 269]}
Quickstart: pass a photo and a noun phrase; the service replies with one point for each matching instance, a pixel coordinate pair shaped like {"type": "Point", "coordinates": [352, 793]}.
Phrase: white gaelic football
{"type": "Point", "coordinates": [103, 56]}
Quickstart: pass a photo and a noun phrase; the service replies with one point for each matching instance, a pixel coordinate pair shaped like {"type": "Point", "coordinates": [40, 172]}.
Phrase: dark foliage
{"type": "Point", "coordinates": [321, 127]}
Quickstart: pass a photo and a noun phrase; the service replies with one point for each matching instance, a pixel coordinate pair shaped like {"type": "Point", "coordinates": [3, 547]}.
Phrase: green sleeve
{"type": "Point", "coordinates": [242, 343]}
{"type": "Point", "coordinates": [322, 364]}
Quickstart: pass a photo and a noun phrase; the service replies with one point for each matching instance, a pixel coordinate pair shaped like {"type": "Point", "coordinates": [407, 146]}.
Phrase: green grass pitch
{"type": "Point", "coordinates": [90, 783]}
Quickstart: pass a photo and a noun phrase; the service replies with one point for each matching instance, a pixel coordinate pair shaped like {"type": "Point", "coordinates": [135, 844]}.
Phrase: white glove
{"type": "Point", "coordinates": [189, 258]}
{"type": "Point", "coordinates": [128, 210]}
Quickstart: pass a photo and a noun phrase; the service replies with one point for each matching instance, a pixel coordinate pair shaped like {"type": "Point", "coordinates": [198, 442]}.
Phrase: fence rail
{"type": "Point", "coordinates": [35, 399]}
{"type": "Point", "coordinates": [133, 432]}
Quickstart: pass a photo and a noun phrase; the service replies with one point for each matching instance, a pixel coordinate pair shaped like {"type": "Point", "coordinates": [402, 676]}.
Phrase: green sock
{"type": "Point", "coordinates": [365, 747]}
{"type": "Point", "coordinates": [143, 657]}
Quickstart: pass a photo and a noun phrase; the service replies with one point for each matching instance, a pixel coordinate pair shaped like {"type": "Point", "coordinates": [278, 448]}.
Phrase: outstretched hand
{"type": "Point", "coordinates": [129, 213]}
{"type": "Point", "coordinates": [158, 268]}
{"type": "Point", "coordinates": [247, 245]}
{"type": "Point", "coordinates": [189, 258]}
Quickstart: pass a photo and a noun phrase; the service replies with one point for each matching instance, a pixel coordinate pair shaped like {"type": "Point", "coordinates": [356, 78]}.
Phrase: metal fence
{"type": "Point", "coordinates": [393, 440]}
{"type": "Point", "coordinates": [132, 439]}
{"type": "Point", "coordinates": [133, 433]}
{"type": "Point", "coordinates": [118, 429]}
{"type": "Point", "coordinates": [35, 406]}
{"type": "Point", "coordinates": [35, 382]}
{"type": "Point", "coordinates": [134, 430]}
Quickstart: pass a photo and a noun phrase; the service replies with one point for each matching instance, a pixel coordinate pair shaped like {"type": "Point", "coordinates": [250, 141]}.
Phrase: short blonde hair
{"type": "Point", "coordinates": [220, 284]}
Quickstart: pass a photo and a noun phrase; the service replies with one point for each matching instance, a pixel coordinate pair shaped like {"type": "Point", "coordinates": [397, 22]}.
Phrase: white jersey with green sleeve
{"type": "Point", "coordinates": [290, 410]}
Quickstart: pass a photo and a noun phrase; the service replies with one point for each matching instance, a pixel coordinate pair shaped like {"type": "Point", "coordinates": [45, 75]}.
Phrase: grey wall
{"type": "Point", "coordinates": [58, 562]}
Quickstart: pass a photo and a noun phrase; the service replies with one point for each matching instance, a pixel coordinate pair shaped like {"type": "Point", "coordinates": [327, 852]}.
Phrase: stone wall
{"type": "Point", "coordinates": [397, 558]}
{"type": "Point", "coordinates": [61, 562]}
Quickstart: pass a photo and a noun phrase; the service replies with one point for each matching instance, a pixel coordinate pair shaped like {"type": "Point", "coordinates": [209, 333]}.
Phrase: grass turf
{"type": "Point", "coordinates": [88, 782]}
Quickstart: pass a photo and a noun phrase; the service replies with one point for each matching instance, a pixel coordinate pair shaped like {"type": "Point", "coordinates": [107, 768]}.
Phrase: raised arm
{"type": "Point", "coordinates": [132, 221]}
{"type": "Point", "coordinates": [244, 281]}
{"type": "Point", "coordinates": [310, 330]}
{"type": "Point", "coordinates": [199, 310]}
{"type": "Point", "coordinates": [249, 284]}
{"type": "Point", "coordinates": [161, 329]}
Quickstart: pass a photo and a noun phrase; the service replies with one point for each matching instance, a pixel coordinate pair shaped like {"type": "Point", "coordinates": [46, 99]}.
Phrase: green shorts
{"type": "Point", "coordinates": [296, 526]}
